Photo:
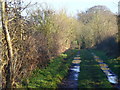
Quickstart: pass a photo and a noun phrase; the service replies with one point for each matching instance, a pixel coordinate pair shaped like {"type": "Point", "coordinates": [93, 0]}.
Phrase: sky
{"type": "Point", "coordinates": [73, 6]}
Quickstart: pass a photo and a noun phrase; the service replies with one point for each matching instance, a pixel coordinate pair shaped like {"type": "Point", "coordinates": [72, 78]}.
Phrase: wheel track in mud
{"type": "Point", "coordinates": [71, 81]}
{"type": "Point", "coordinates": [112, 77]}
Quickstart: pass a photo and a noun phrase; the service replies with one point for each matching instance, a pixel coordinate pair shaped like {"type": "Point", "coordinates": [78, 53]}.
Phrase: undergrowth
{"type": "Point", "coordinates": [52, 75]}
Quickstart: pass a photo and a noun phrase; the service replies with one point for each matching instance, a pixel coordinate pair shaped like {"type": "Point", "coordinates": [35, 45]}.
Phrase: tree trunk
{"type": "Point", "coordinates": [8, 73]}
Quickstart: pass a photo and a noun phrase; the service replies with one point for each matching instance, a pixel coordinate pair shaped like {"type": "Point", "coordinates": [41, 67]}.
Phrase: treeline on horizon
{"type": "Point", "coordinates": [44, 34]}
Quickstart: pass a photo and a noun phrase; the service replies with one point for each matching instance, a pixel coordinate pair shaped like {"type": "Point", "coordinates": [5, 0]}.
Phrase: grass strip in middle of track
{"type": "Point", "coordinates": [91, 76]}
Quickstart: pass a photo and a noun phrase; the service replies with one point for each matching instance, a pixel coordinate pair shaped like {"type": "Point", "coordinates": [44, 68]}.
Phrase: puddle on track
{"type": "Point", "coordinates": [112, 77]}
{"type": "Point", "coordinates": [71, 81]}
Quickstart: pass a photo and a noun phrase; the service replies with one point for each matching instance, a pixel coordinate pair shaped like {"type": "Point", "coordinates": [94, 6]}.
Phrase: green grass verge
{"type": "Point", "coordinates": [91, 76]}
{"type": "Point", "coordinates": [53, 74]}
{"type": "Point", "coordinates": [113, 63]}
